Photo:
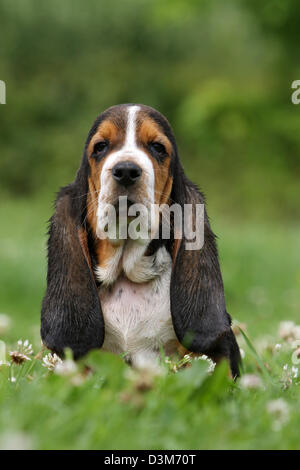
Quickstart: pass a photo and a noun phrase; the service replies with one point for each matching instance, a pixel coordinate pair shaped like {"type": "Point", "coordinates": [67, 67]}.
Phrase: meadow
{"type": "Point", "coordinates": [102, 404]}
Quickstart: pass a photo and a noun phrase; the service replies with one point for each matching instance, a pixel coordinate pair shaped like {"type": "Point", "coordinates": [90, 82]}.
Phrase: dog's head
{"type": "Point", "coordinates": [130, 151]}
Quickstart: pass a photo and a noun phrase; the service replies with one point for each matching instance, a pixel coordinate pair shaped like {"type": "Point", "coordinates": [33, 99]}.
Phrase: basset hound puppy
{"type": "Point", "coordinates": [125, 295]}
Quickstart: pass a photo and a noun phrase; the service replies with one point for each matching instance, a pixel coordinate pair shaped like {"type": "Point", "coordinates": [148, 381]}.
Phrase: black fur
{"type": "Point", "coordinates": [71, 310]}
{"type": "Point", "coordinates": [198, 309]}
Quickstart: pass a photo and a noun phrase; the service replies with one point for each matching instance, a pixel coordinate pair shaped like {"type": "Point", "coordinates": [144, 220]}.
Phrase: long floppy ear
{"type": "Point", "coordinates": [71, 311]}
{"type": "Point", "coordinates": [198, 308]}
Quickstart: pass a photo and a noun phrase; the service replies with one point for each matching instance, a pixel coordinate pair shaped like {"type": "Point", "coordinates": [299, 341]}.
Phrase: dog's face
{"type": "Point", "coordinates": [129, 154]}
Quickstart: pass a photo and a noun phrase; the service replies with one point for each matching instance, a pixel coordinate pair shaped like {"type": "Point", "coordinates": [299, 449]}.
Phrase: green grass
{"type": "Point", "coordinates": [114, 409]}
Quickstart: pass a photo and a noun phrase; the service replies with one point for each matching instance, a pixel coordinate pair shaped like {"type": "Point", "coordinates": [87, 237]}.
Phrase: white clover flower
{"type": "Point", "coordinates": [65, 368]}
{"type": "Point", "coordinates": [265, 343]}
{"type": "Point", "coordinates": [211, 363]}
{"type": "Point", "coordinates": [187, 358]}
{"type": "Point", "coordinates": [203, 357]}
{"type": "Point", "coordinates": [295, 372]}
{"type": "Point", "coordinates": [25, 347]}
{"type": "Point", "coordinates": [251, 381]}
{"type": "Point", "coordinates": [22, 353]}
{"type": "Point", "coordinates": [12, 379]}
{"type": "Point", "coordinates": [289, 331]}
{"type": "Point", "coordinates": [5, 323]}
{"type": "Point", "coordinates": [278, 346]}
{"type": "Point", "coordinates": [280, 410]}
{"type": "Point", "coordinates": [51, 360]}
{"type": "Point", "coordinates": [18, 358]}
{"type": "Point", "coordinates": [288, 376]}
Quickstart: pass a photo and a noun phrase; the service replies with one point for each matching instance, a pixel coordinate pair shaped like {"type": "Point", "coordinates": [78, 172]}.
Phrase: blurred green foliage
{"type": "Point", "coordinates": [220, 71]}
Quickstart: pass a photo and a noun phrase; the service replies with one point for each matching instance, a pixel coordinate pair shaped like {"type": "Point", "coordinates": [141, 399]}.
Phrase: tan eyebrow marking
{"type": "Point", "coordinates": [148, 131]}
{"type": "Point", "coordinates": [107, 130]}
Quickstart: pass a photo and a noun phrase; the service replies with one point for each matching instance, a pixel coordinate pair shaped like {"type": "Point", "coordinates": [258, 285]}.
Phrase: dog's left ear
{"type": "Point", "coordinates": [198, 308]}
{"type": "Point", "coordinates": [71, 310]}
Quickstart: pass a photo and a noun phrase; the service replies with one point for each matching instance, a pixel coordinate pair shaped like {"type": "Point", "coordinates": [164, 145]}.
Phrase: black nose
{"type": "Point", "coordinates": [126, 173]}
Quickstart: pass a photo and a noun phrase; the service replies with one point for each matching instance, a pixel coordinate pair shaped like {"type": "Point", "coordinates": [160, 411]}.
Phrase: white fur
{"type": "Point", "coordinates": [135, 290]}
{"type": "Point", "coordinates": [108, 274]}
{"type": "Point", "coordinates": [137, 317]}
{"type": "Point", "coordinates": [110, 189]}
{"type": "Point", "coordinates": [145, 268]}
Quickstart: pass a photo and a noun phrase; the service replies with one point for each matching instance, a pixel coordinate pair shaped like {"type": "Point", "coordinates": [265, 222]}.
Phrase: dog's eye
{"type": "Point", "coordinates": [158, 148]}
{"type": "Point", "coordinates": [99, 147]}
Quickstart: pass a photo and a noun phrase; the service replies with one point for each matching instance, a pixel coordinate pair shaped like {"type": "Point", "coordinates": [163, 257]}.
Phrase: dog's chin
{"type": "Point", "coordinates": [123, 204]}
{"type": "Point", "coordinates": [114, 220]}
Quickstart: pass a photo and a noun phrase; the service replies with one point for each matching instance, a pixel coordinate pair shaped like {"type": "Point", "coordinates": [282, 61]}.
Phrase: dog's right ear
{"type": "Point", "coordinates": [71, 310]}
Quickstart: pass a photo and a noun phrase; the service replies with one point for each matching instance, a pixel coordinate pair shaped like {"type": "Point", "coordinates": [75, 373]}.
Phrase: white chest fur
{"type": "Point", "coordinates": [137, 318]}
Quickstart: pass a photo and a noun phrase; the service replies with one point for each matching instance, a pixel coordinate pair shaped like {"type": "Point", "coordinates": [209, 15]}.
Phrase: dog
{"type": "Point", "coordinates": [125, 295]}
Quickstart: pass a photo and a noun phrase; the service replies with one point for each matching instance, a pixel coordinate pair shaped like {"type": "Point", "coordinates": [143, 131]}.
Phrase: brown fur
{"type": "Point", "coordinates": [110, 132]}
{"type": "Point", "coordinates": [149, 131]}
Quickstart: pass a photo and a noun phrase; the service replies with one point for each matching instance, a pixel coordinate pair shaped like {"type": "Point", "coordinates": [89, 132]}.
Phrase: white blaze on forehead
{"type": "Point", "coordinates": [130, 138]}
{"type": "Point", "coordinates": [129, 151]}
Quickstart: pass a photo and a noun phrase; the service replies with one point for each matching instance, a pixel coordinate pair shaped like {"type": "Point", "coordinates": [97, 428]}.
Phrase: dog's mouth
{"type": "Point", "coordinates": [124, 218]}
